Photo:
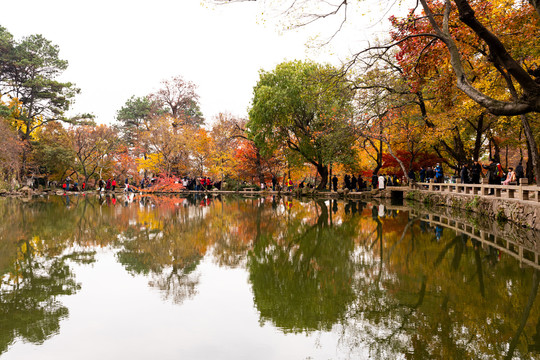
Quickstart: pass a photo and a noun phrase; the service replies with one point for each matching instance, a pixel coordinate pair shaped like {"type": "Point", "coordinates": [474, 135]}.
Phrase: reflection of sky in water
{"type": "Point", "coordinates": [118, 316]}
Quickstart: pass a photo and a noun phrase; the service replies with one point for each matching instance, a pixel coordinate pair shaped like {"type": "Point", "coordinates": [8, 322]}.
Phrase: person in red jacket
{"type": "Point", "coordinates": [113, 184]}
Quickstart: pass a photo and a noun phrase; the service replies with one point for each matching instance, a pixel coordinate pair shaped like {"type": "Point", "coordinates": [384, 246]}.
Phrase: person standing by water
{"type": "Point", "coordinates": [381, 182]}
{"type": "Point", "coordinates": [374, 181]}
{"type": "Point", "coordinates": [423, 174]}
{"type": "Point", "coordinates": [347, 181]}
{"type": "Point", "coordinates": [491, 174]}
{"type": "Point", "coordinates": [464, 174]}
{"type": "Point", "coordinates": [289, 185]}
{"type": "Point", "coordinates": [113, 184]}
{"type": "Point", "coordinates": [361, 183]}
{"type": "Point", "coordinates": [520, 173]}
{"type": "Point", "coordinates": [476, 171]}
{"type": "Point", "coordinates": [412, 175]}
{"type": "Point", "coordinates": [334, 183]}
{"type": "Point", "coordinates": [439, 175]}
{"type": "Point", "coordinates": [274, 182]}
{"type": "Point", "coordinates": [492, 171]}
{"type": "Point", "coordinates": [430, 174]}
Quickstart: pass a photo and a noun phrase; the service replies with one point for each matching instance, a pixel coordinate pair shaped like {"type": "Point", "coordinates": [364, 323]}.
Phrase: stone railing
{"type": "Point", "coordinates": [522, 192]}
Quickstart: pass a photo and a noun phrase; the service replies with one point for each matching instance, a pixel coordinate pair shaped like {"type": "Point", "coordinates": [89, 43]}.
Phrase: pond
{"type": "Point", "coordinates": [210, 277]}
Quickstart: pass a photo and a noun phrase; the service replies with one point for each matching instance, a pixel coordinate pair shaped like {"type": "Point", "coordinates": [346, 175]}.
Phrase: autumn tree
{"type": "Point", "coordinates": [54, 151]}
{"type": "Point", "coordinates": [486, 50]}
{"type": "Point", "coordinates": [498, 38]}
{"type": "Point", "coordinates": [93, 147]}
{"type": "Point", "coordinates": [166, 145]}
{"type": "Point", "coordinates": [227, 132]}
{"type": "Point", "coordinates": [200, 145]}
{"type": "Point", "coordinates": [133, 117]}
{"type": "Point", "coordinates": [29, 71]}
{"type": "Point", "coordinates": [178, 98]}
{"type": "Point", "coordinates": [10, 152]}
{"type": "Point", "coordinates": [305, 107]}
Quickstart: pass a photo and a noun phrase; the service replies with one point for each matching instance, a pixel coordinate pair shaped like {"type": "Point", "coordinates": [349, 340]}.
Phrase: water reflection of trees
{"type": "Point", "coordinates": [441, 296]}
{"type": "Point", "coordinates": [34, 272]}
{"type": "Point", "coordinates": [386, 281]}
{"type": "Point", "coordinates": [301, 273]}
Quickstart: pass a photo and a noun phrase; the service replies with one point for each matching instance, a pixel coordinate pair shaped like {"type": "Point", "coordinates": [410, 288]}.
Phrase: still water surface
{"type": "Point", "coordinates": [272, 278]}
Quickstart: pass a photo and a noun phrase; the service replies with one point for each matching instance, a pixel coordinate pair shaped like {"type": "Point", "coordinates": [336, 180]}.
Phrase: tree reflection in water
{"type": "Point", "coordinates": [302, 273]}
{"type": "Point", "coordinates": [34, 269]}
{"type": "Point", "coordinates": [386, 281]}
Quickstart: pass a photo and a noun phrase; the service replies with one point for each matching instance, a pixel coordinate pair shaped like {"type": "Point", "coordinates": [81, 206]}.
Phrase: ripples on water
{"type": "Point", "coordinates": [270, 278]}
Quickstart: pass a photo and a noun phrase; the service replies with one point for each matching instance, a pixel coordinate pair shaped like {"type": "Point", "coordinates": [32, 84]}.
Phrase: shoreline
{"type": "Point", "coordinates": [525, 214]}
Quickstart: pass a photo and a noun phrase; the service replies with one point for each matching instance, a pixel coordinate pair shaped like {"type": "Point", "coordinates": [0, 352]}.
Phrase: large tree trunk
{"type": "Point", "coordinates": [529, 171]}
{"type": "Point", "coordinates": [378, 159]}
{"type": "Point", "coordinates": [478, 141]}
{"type": "Point", "coordinates": [323, 171]}
{"type": "Point", "coordinates": [533, 160]}
{"type": "Point", "coordinates": [258, 165]}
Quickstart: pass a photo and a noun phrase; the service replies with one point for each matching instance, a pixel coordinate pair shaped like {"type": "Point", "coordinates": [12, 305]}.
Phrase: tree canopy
{"type": "Point", "coordinates": [307, 108]}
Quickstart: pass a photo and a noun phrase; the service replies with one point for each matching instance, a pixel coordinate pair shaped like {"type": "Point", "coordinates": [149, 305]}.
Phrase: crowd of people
{"type": "Point", "coordinates": [428, 174]}
{"type": "Point", "coordinates": [112, 184]}
{"type": "Point", "coordinates": [200, 184]}
{"type": "Point", "coordinates": [473, 173]}
{"type": "Point", "coordinates": [468, 174]}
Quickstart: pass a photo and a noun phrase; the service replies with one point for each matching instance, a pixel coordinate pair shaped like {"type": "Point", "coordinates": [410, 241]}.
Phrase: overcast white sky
{"type": "Point", "coordinates": [120, 48]}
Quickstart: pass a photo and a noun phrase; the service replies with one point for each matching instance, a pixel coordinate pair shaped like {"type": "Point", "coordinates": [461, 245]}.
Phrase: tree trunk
{"type": "Point", "coordinates": [478, 141]}
{"type": "Point", "coordinates": [378, 160]}
{"type": "Point", "coordinates": [323, 171]}
{"type": "Point", "coordinates": [497, 151]}
{"type": "Point", "coordinates": [529, 172]}
{"type": "Point", "coordinates": [533, 160]}
{"type": "Point", "coordinates": [258, 165]}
